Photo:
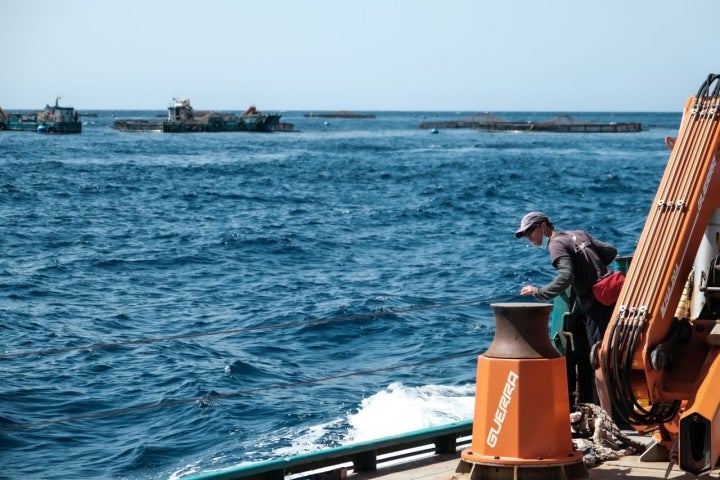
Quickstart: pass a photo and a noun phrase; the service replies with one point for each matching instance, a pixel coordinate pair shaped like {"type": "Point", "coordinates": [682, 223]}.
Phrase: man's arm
{"type": "Point", "coordinates": [560, 283]}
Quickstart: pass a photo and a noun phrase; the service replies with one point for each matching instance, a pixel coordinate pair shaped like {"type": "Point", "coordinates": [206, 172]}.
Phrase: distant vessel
{"type": "Point", "coordinates": [340, 114]}
{"type": "Point", "coordinates": [53, 119]}
{"type": "Point", "coordinates": [18, 121]}
{"type": "Point", "coordinates": [183, 118]}
{"type": "Point", "coordinates": [559, 124]}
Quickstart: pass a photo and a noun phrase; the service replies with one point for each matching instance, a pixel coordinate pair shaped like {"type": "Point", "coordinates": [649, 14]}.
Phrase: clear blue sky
{"type": "Point", "coordinates": [440, 55]}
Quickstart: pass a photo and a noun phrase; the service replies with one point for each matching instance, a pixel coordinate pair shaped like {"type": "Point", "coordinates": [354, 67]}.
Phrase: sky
{"type": "Point", "coordinates": [376, 55]}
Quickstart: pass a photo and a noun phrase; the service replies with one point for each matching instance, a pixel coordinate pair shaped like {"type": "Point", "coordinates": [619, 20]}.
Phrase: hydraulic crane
{"type": "Point", "coordinates": [661, 352]}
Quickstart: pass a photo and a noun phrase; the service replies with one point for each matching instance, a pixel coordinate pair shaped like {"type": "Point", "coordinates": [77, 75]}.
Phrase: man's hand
{"type": "Point", "coordinates": [529, 290]}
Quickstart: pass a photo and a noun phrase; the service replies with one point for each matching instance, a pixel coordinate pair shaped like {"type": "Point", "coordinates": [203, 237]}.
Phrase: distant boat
{"type": "Point", "coordinates": [3, 119]}
{"type": "Point", "coordinates": [559, 123]}
{"type": "Point", "coordinates": [340, 114]}
{"type": "Point", "coordinates": [53, 119]}
{"type": "Point", "coordinates": [182, 118]}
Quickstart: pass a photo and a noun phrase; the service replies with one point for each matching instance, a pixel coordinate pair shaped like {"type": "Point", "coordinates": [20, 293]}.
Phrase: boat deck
{"type": "Point", "coordinates": [444, 466]}
{"type": "Point", "coordinates": [626, 467]}
{"type": "Point", "coordinates": [416, 457]}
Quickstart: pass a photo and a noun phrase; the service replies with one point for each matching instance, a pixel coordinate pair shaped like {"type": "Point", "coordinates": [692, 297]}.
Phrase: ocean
{"type": "Point", "coordinates": [177, 303]}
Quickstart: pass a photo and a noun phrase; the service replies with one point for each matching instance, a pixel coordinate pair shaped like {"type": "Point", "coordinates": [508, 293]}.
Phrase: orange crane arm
{"type": "Point", "coordinates": [656, 363]}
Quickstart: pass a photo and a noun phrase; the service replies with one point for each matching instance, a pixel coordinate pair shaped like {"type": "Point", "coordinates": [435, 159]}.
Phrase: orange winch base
{"type": "Point", "coordinates": [522, 415]}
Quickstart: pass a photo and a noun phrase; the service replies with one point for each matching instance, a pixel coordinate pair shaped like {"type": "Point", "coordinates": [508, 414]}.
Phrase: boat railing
{"type": "Point", "coordinates": [365, 456]}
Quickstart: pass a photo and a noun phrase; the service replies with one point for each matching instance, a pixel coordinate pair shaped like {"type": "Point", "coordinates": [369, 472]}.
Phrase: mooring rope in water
{"type": "Point", "coordinates": [219, 396]}
{"type": "Point", "coordinates": [276, 326]}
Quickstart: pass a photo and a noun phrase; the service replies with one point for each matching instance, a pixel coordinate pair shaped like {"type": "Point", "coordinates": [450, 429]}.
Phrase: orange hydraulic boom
{"type": "Point", "coordinates": [661, 352]}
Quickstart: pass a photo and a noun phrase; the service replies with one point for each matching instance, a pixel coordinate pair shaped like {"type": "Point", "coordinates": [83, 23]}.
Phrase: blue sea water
{"type": "Point", "coordinates": [173, 304]}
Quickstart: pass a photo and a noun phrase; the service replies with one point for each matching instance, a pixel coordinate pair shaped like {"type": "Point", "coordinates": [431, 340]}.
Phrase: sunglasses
{"type": "Point", "coordinates": [530, 230]}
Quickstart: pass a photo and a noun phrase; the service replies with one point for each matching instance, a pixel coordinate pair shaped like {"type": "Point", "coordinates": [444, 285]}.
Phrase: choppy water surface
{"type": "Point", "coordinates": [172, 304]}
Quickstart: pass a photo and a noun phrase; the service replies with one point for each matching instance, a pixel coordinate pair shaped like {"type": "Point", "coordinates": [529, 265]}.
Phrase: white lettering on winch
{"type": "Point", "coordinates": [501, 410]}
